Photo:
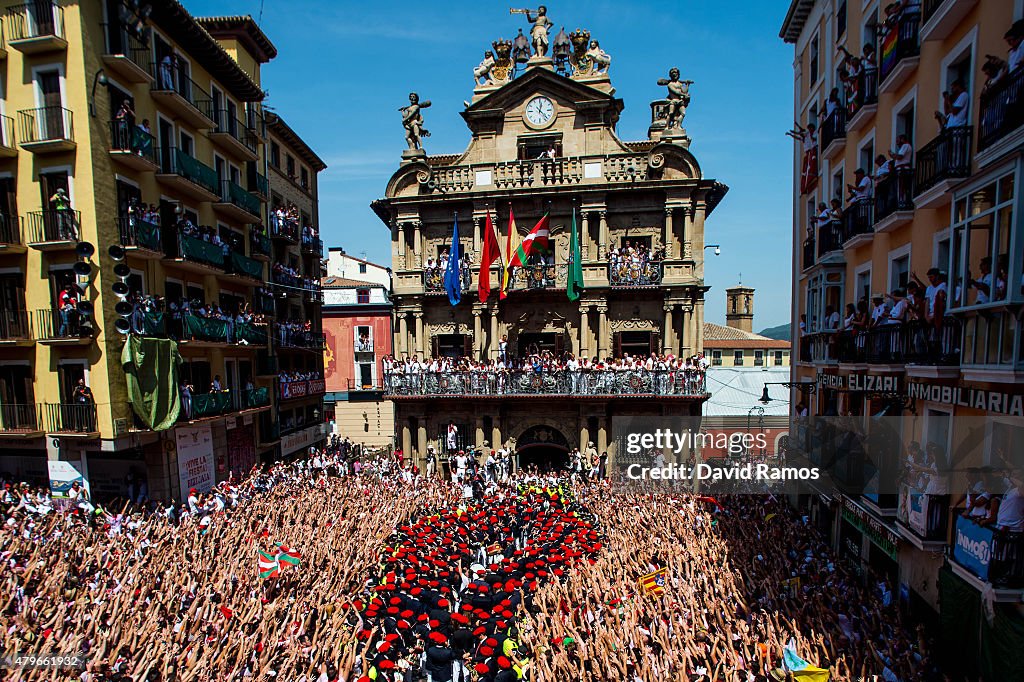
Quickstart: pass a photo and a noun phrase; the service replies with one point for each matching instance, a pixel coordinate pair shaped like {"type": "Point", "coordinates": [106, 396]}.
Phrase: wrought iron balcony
{"type": "Point", "coordinates": [243, 266]}
{"type": "Point", "coordinates": [312, 245]}
{"type": "Point", "coordinates": [311, 340]}
{"type": "Point", "coordinates": [255, 397]}
{"type": "Point", "coordinates": [912, 343]}
{"type": "Point", "coordinates": [894, 193]}
{"type": "Point", "coordinates": [71, 418]}
{"type": "Point", "coordinates": [808, 260]}
{"type": "Point", "coordinates": [54, 227]}
{"type": "Point", "coordinates": [213, 330]}
{"type": "Point", "coordinates": [257, 183]}
{"type": "Point", "coordinates": [201, 251]}
{"type": "Point", "coordinates": [925, 515]}
{"type": "Point", "coordinates": [539, 276]}
{"type": "Point", "coordinates": [19, 418]}
{"type": "Point", "coordinates": [858, 219]}
{"type": "Point", "coordinates": [126, 54]}
{"type": "Point", "coordinates": [140, 234]}
{"type": "Point", "coordinates": [1002, 109]}
{"type": "Point", "coordinates": [833, 129]}
{"type": "Point", "coordinates": [1003, 562]}
{"type": "Point", "coordinates": [68, 326]}
{"type": "Point", "coordinates": [514, 383]}
{"type": "Point", "coordinates": [282, 228]}
{"type": "Point", "coordinates": [259, 243]}
{"type": "Point", "coordinates": [233, 134]}
{"type": "Point", "coordinates": [433, 278]}
{"type": "Point", "coordinates": [901, 42]}
{"type": "Point", "coordinates": [173, 88]}
{"type": "Point", "coordinates": [35, 27]}
{"type": "Point", "coordinates": [205, 405]}
{"type": "Point", "coordinates": [15, 326]}
{"type": "Point", "coordinates": [10, 232]}
{"type": "Point", "coordinates": [196, 177]}
{"type": "Point", "coordinates": [830, 237]}
{"type": "Point", "coordinates": [626, 273]}
{"type": "Point", "coordinates": [291, 390]}
{"type": "Point", "coordinates": [7, 144]}
{"type": "Point", "coordinates": [947, 157]}
{"type": "Point", "coordinates": [132, 146]}
{"type": "Point", "coordinates": [46, 129]}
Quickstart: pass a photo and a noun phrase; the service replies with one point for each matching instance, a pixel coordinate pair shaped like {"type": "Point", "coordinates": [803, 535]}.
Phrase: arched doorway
{"type": "Point", "coordinates": [543, 447]}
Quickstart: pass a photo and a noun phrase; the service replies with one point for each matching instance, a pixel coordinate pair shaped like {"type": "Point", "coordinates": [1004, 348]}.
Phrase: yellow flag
{"type": "Point", "coordinates": [770, 516]}
{"type": "Point", "coordinates": [811, 674]}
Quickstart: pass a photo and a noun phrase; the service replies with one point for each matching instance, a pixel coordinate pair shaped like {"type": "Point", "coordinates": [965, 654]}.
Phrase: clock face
{"type": "Point", "coordinates": [539, 111]}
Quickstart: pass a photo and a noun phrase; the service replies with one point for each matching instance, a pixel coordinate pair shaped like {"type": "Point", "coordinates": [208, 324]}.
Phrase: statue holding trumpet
{"type": "Point", "coordinates": [539, 28]}
{"type": "Point", "coordinates": [678, 98]}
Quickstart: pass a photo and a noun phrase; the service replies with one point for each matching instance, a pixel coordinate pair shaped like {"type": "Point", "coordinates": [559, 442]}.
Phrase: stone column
{"type": "Point", "coordinates": [667, 341]}
{"type": "Point", "coordinates": [407, 441]}
{"type": "Point", "coordinates": [602, 330]}
{"type": "Point", "coordinates": [401, 244]}
{"type": "Point", "coordinates": [478, 331]}
{"type": "Point", "coordinates": [403, 332]}
{"type": "Point", "coordinates": [668, 236]}
{"type": "Point", "coordinates": [698, 331]}
{"type": "Point", "coordinates": [584, 331]}
{"type": "Point", "coordinates": [495, 435]}
{"type": "Point", "coordinates": [686, 343]}
{"type": "Point", "coordinates": [478, 229]}
{"type": "Point", "coordinates": [421, 345]}
{"type": "Point", "coordinates": [480, 437]}
{"type": "Point", "coordinates": [602, 437]}
{"type": "Point", "coordinates": [584, 434]}
{"type": "Point", "coordinates": [493, 339]}
{"type": "Point", "coordinates": [417, 243]}
{"type": "Point", "coordinates": [421, 444]}
{"type": "Point", "coordinates": [603, 233]}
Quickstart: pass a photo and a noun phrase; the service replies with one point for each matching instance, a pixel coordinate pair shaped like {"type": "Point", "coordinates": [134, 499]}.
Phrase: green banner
{"type": "Point", "coordinates": [253, 334]}
{"type": "Point", "coordinates": [206, 329]}
{"type": "Point", "coordinates": [204, 252]}
{"type": "Point", "coordinates": [196, 171]}
{"type": "Point", "coordinates": [148, 235]}
{"type": "Point", "coordinates": [260, 245]}
{"type": "Point", "coordinates": [211, 404]}
{"type": "Point", "coordinates": [153, 324]}
{"type": "Point", "coordinates": [143, 143]}
{"type": "Point", "coordinates": [243, 265]}
{"type": "Point", "coordinates": [151, 373]}
{"type": "Point", "coordinates": [257, 397]}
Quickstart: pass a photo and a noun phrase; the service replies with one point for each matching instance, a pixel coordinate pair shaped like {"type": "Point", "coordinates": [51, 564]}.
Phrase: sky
{"type": "Point", "coordinates": [344, 69]}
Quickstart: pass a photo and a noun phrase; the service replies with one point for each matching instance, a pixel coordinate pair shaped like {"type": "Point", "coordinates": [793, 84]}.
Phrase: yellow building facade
{"type": "Point", "coordinates": [119, 129]}
{"type": "Point", "coordinates": [927, 247]}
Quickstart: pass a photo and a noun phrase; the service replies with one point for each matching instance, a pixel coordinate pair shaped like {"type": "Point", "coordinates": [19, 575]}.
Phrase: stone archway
{"type": "Point", "coordinates": [543, 447]}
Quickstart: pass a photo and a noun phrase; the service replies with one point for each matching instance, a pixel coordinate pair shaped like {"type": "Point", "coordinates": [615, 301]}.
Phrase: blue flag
{"type": "Point", "coordinates": [453, 273]}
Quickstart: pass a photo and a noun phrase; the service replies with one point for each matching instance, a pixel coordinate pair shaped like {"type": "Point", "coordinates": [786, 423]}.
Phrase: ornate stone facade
{"type": "Point", "coordinates": [560, 155]}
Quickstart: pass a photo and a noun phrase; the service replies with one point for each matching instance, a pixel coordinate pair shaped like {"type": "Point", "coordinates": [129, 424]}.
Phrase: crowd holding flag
{"type": "Point", "coordinates": [268, 566]}
{"type": "Point", "coordinates": [801, 670]}
{"type": "Point", "coordinates": [654, 582]}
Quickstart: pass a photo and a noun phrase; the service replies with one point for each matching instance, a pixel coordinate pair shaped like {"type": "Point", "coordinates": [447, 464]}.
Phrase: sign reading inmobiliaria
{"type": "Point", "coordinates": [195, 458]}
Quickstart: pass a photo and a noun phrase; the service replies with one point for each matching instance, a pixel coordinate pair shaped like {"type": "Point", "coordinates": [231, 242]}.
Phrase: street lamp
{"type": "Point", "coordinates": [809, 387]}
{"type": "Point", "coordinates": [716, 247]}
{"type": "Point", "coordinates": [100, 78]}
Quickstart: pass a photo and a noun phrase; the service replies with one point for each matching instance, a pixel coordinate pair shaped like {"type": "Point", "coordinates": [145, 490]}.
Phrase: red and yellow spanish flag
{"type": "Point", "coordinates": [654, 582]}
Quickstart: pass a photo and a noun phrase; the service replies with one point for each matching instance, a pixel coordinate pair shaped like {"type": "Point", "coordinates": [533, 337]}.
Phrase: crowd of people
{"type": "Point", "coordinates": [346, 566]}
{"type": "Point", "coordinates": [289, 276]}
{"type": "Point", "coordinates": [435, 269]}
{"type": "Point", "coordinates": [285, 220]}
{"type": "Point", "coordinates": [297, 333]}
{"type": "Point", "coordinates": [634, 264]}
{"type": "Point", "coordinates": [546, 372]}
{"type": "Point", "coordinates": [139, 211]}
{"type": "Point", "coordinates": [296, 375]}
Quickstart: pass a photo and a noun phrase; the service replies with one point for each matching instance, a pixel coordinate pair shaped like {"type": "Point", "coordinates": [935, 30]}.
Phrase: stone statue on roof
{"type": "Point", "coordinates": [412, 121]}
{"type": "Point", "coordinates": [678, 98]}
{"type": "Point", "coordinates": [539, 29]}
{"type": "Point", "coordinates": [483, 69]}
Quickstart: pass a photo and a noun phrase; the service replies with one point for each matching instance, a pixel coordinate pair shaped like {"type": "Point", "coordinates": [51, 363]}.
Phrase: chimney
{"type": "Point", "coordinates": [739, 309]}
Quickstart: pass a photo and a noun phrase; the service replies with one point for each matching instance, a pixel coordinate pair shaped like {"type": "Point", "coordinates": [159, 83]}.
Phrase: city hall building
{"type": "Point", "coordinates": [543, 139]}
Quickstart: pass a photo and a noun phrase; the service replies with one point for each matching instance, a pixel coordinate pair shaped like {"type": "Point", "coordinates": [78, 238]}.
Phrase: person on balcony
{"type": "Point", "coordinates": [124, 126]}
{"type": "Point", "coordinates": [67, 308]}
{"type": "Point", "coordinates": [1015, 39]}
{"type": "Point", "coordinates": [862, 190]}
{"type": "Point", "coordinates": [66, 227]}
{"type": "Point", "coordinates": [987, 291]}
{"type": "Point", "coordinates": [955, 104]}
{"type": "Point", "coordinates": [1007, 512]}
{"type": "Point", "coordinates": [883, 167]}
{"type": "Point", "coordinates": [82, 398]}
{"type": "Point", "coordinates": [903, 155]}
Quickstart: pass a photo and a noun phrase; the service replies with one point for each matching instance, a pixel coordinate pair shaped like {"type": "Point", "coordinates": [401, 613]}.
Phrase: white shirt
{"type": "Point", "coordinates": [959, 118]}
{"type": "Point", "coordinates": [863, 190]}
{"type": "Point", "coordinates": [987, 280]}
{"type": "Point", "coordinates": [1011, 511]}
{"type": "Point", "coordinates": [1016, 57]}
{"type": "Point", "coordinates": [898, 312]}
{"type": "Point", "coordinates": [833, 321]}
{"type": "Point", "coordinates": [906, 154]}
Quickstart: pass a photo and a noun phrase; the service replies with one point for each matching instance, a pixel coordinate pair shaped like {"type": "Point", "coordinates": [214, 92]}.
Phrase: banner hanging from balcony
{"type": "Point", "coordinates": [151, 373]}
{"type": "Point", "coordinates": [243, 265]}
{"type": "Point", "coordinates": [972, 547]}
{"type": "Point", "coordinates": [206, 329]}
{"type": "Point", "coordinates": [195, 458]}
{"type": "Point", "coordinates": [204, 252]}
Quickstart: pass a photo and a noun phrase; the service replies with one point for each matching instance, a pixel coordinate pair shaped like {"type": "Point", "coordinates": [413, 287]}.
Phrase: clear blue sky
{"type": "Point", "coordinates": [344, 68]}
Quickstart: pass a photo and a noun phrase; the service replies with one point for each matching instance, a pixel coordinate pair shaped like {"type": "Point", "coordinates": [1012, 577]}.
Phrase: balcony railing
{"type": "Point", "coordinates": [1002, 109]}
{"type": "Point", "coordinates": [213, 330]}
{"type": "Point", "coordinates": [121, 41]}
{"type": "Point", "coordinates": [10, 230]}
{"type": "Point", "coordinates": [243, 266]}
{"type": "Point", "coordinates": [433, 278]}
{"type": "Point", "coordinates": [899, 44]}
{"type": "Point", "coordinates": [565, 171]}
{"type": "Point", "coordinates": [131, 138]}
{"type": "Point", "coordinates": [203, 405]}
{"type": "Point", "coordinates": [226, 123]}
{"type": "Point", "coordinates": [255, 397]}
{"type": "Point", "coordinates": [927, 515]}
{"type": "Point", "coordinates": [240, 197]}
{"type": "Point", "coordinates": [288, 390]}
{"type": "Point", "coordinates": [539, 276]}
{"type": "Point", "coordinates": [60, 324]}
{"type": "Point", "coordinates": [257, 183]}
{"type": "Point", "coordinates": [140, 233]}
{"type": "Point", "coordinates": [259, 244]}
{"type": "Point", "coordinates": [995, 556]}
{"type": "Point", "coordinates": [808, 260]}
{"type": "Point", "coordinates": [284, 229]}
{"type": "Point", "coordinates": [833, 127]}
{"type": "Point", "coordinates": [46, 124]}
{"type": "Point", "coordinates": [7, 132]}
{"type": "Point", "coordinates": [35, 19]}
{"type": "Point", "coordinates": [71, 418]}
{"type": "Point", "coordinates": [830, 237]}
{"type": "Point", "coordinates": [912, 343]}
{"type": "Point", "coordinates": [19, 418]}
{"type": "Point", "coordinates": [636, 383]}
{"type": "Point", "coordinates": [176, 162]}
{"type": "Point", "coordinates": [629, 274]}
{"type": "Point", "coordinates": [928, 9]}
{"type": "Point", "coordinates": [171, 77]}
{"type": "Point", "coordinates": [54, 226]}
{"type": "Point", "coordinates": [364, 345]}
{"type": "Point", "coordinates": [894, 192]}
{"type": "Point", "coordinates": [312, 245]}
{"type": "Point", "coordinates": [201, 251]}
{"type": "Point", "coordinates": [263, 304]}
{"type": "Point", "coordinates": [300, 339]}
{"type": "Point", "coordinates": [14, 325]}
{"type": "Point", "coordinates": [858, 219]}
{"type": "Point", "coordinates": [946, 157]}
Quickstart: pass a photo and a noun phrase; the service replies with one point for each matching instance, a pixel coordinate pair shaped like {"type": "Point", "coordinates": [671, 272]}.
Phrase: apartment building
{"type": "Point", "coordinates": [133, 211]}
{"type": "Point", "coordinates": [924, 248]}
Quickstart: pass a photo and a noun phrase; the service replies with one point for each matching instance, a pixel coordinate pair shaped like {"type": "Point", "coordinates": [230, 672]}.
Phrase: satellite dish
{"type": "Point", "coordinates": [85, 307]}
{"type": "Point", "coordinates": [116, 252]}
{"type": "Point", "coordinates": [123, 308]}
{"type": "Point", "coordinates": [82, 269]}
{"type": "Point", "coordinates": [85, 250]}
{"type": "Point", "coordinates": [122, 270]}
{"type": "Point", "coordinates": [121, 289]}
{"type": "Point", "coordinates": [122, 326]}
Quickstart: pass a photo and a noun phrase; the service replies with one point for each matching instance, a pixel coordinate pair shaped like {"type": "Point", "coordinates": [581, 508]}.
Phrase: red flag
{"type": "Point", "coordinates": [227, 612]}
{"type": "Point", "coordinates": [492, 252]}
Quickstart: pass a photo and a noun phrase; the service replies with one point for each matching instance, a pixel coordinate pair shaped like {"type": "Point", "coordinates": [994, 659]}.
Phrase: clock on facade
{"type": "Point", "coordinates": [540, 111]}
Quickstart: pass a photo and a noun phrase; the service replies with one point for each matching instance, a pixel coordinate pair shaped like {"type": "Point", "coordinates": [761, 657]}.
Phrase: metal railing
{"type": "Point", "coordinates": [140, 233]}
{"type": "Point", "coordinates": [300, 339]}
{"type": "Point", "coordinates": [257, 183]}
{"type": "Point", "coordinates": [200, 405]}
{"type": "Point", "coordinates": [925, 514]}
{"type": "Point", "coordinates": [638, 383]}
{"type": "Point", "coordinates": [259, 244]}
{"type": "Point", "coordinates": [60, 324]}
{"type": "Point", "coordinates": [71, 418]}
{"type": "Point", "coordinates": [201, 251]}
{"type": "Point", "coordinates": [900, 43]}
{"type": "Point", "coordinates": [433, 278]}
{"type": "Point", "coordinates": [237, 195]}
{"type": "Point", "coordinates": [125, 137]}
{"type": "Point", "coordinates": [313, 245]}
{"type": "Point", "coordinates": [46, 124]}
{"type": "Point", "coordinates": [912, 343]}
{"type": "Point", "coordinates": [226, 123]}
{"type": "Point", "coordinates": [808, 260]}
{"type": "Point", "coordinates": [833, 127]}
{"type": "Point", "coordinates": [7, 132]}
{"type": "Point", "coordinates": [830, 237]}
{"type": "Point", "coordinates": [858, 218]}
{"type": "Point", "coordinates": [14, 325]}
{"type": "Point", "coordinates": [894, 192]}
{"type": "Point", "coordinates": [176, 162]}
{"type": "Point", "coordinates": [629, 274]}
{"type": "Point", "coordinates": [120, 40]}
{"type": "Point", "coordinates": [288, 390]}
{"type": "Point", "coordinates": [539, 276]}
{"type": "Point", "coordinates": [541, 173]}
{"type": "Point", "coordinates": [866, 93]}
{"type": "Point", "coordinates": [171, 77]}
{"type": "Point", "coordinates": [284, 229]}
{"type": "Point", "coordinates": [17, 417]}
{"type": "Point", "coordinates": [34, 19]}
{"type": "Point", "coordinates": [54, 226]}
{"type": "Point", "coordinates": [946, 157]}
{"type": "Point", "coordinates": [10, 230]}
{"type": "Point", "coordinates": [1002, 109]}
{"type": "Point", "coordinates": [929, 7]}
{"type": "Point", "coordinates": [1003, 565]}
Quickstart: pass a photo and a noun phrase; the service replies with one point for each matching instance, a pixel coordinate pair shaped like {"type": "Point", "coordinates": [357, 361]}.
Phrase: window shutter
{"type": "Point", "coordinates": [617, 344]}
{"type": "Point", "coordinates": [467, 345]}
{"type": "Point", "coordinates": [652, 338]}
{"type": "Point", "coordinates": [434, 347]}
{"type": "Point", "coordinates": [559, 344]}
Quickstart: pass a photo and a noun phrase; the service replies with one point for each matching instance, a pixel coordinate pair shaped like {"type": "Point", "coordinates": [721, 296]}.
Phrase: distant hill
{"type": "Point", "coordinates": [783, 332]}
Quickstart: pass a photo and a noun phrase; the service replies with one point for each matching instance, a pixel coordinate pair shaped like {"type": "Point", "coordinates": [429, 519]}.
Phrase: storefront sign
{"type": "Point", "coordinates": [195, 458]}
{"type": "Point", "coordinates": [832, 381]}
{"type": "Point", "coordinates": [302, 439]}
{"type": "Point", "coordinates": [316, 386]}
{"type": "Point", "coordinates": [966, 396]}
{"type": "Point", "coordinates": [972, 547]}
{"type": "Point", "coordinates": [860, 383]}
{"type": "Point", "coordinates": [63, 473]}
{"type": "Point", "coordinates": [881, 536]}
